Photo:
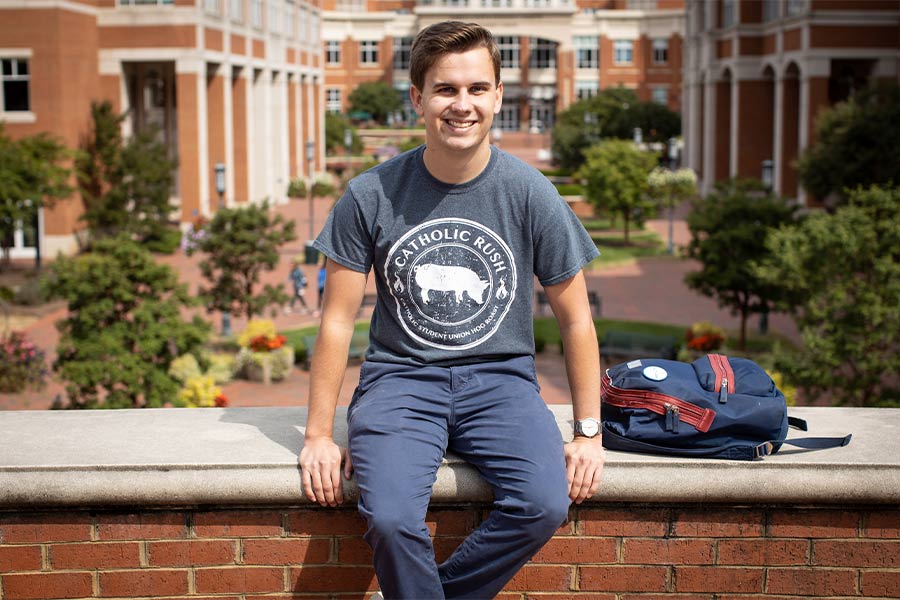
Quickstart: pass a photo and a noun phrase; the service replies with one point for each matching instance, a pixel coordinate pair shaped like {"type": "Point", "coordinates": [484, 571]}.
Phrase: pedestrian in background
{"type": "Point", "coordinates": [298, 280]}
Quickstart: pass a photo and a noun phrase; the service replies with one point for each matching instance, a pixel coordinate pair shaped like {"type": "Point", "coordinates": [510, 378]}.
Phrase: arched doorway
{"type": "Point", "coordinates": [790, 130]}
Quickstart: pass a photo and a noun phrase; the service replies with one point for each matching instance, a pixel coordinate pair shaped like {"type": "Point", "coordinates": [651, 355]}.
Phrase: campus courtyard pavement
{"type": "Point", "coordinates": [650, 289]}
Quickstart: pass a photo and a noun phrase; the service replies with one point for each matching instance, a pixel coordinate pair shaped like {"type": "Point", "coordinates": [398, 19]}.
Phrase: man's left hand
{"type": "Point", "coordinates": [584, 467]}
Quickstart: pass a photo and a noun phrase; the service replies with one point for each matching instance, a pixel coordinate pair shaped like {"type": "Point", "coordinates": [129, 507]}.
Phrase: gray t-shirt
{"type": "Point", "coordinates": [454, 264]}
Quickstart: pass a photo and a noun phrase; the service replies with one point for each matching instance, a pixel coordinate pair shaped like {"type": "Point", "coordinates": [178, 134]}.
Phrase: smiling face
{"type": "Point", "coordinates": [458, 102]}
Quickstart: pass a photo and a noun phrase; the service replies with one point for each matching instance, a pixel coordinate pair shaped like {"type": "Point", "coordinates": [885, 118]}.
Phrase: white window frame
{"type": "Point", "coordinates": [333, 100]}
{"type": "Point", "coordinates": [332, 52]}
{"type": "Point", "coordinates": [273, 23]}
{"type": "Point", "coordinates": [368, 52]}
{"type": "Point", "coordinates": [15, 76]}
{"type": "Point", "coordinates": [587, 51]}
{"type": "Point", "coordinates": [542, 54]}
{"type": "Point", "coordinates": [586, 88]}
{"type": "Point", "coordinates": [729, 13]}
{"type": "Point", "coordinates": [256, 14]}
{"type": "Point", "coordinates": [623, 52]}
{"type": "Point", "coordinates": [402, 49]}
{"type": "Point", "coordinates": [510, 51]}
{"type": "Point", "coordinates": [660, 51]}
{"type": "Point", "coordinates": [290, 25]}
{"type": "Point", "coordinates": [236, 10]}
{"type": "Point", "coordinates": [660, 95]}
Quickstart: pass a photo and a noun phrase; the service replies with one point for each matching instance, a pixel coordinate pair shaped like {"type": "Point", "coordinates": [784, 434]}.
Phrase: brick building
{"type": "Point", "coordinates": [237, 83]}
{"type": "Point", "coordinates": [758, 73]}
{"type": "Point", "coordinates": [554, 51]}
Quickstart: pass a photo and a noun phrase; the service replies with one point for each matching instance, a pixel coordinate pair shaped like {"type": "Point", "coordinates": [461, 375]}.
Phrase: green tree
{"type": "Point", "coordinates": [615, 175]}
{"type": "Point", "coordinates": [335, 126]}
{"type": "Point", "coordinates": [728, 232]}
{"type": "Point", "coordinates": [241, 244]}
{"type": "Point", "coordinates": [613, 113]}
{"type": "Point", "coordinates": [841, 273]}
{"type": "Point", "coordinates": [123, 328]}
{"type": "Point", "coordinates": [671, 188]}
{"type": "Point", "coordinates": [376, 98]}
{"type": "Point", "coordinates": [32, 175]}
{"type": "Point", "coordinates": [126, 185]}
{"type": "Point", "coordinates": [856, 144]}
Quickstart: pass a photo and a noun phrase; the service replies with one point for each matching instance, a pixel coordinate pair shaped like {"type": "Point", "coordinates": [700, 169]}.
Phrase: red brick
{"type": "Point", "coordinates": [668, 552]}
{"type": "Point", "coordinates": [39, 528]}
{"type": "Point", "coordinates": [142, 526]}
{"type": "Point", "coordinates": [718, 579]}
{"type": "Point", "coordinates": [189, 553]}
{"type": "Point", "coordinates": [325, 522]}
{"type": "Point", "coordinates": [354, 551]}
{"type": "Point", "coordinates": [237, 580]}
{"type": "Point", "coordinates": [814, 524]}
{"type": "Point", "coordinates": [451, 522]}
{"type": "Point", "coordinates": [882, 524]}
{"type": "Point", "coordinates": [623, 579]}
{"type": "Point", "coordinates": [812, 582]}
{"type": "Point", "coordinates": [672, 596]}
{"type": "Point", "coordinates": [569, 596]}
{"type": "Point", "coordinates": [324, 578]}
{"type": "Point", "coordinates": [444, 547]}
{"type": "Point", "coordinates": [880, 584]}
{"type": "Point", "coordinates": [47, 585]}
{"type": "Point", "coordinates": [286, 551]}
{"type": "Point", "coordinates": [577, 550]}
{"type": "Point", "coordinates": [766, 551]}
{"type": "Point", "coordinates": [856, 553]}
{"type": "Point", "coordinates": [719, 524]}
{"type": "Point", "coordinates": [539, 578]}
{"type": "Point", "coordinates": [20, 558]}
{"type": "Point", "coordinates": [147, 582]}
{"type": "Point", "coordinates": [631, 523]}
{"type": "Point", "coordinates": [243, 523]}
{"type": "Point", "coordinates": [95, 555]}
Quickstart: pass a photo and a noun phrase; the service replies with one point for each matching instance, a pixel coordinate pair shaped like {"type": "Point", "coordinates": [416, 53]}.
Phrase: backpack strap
{"type": "Point", "coordinates": [813, 443]}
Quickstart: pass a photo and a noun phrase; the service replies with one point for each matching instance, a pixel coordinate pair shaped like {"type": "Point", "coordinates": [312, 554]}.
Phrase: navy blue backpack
{"type": "Point", "coordinates": [715, 407]}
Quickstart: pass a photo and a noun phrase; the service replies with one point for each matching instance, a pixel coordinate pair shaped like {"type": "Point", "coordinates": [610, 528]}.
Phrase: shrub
{"type": "Point", "coordinates": [705, 337]}
{"type": "Point", "coordinates": [22, 364]}
{"type": "Point", "coordinates": [184, 368]}
{"type": "Point", "coordinates": [201, 391]}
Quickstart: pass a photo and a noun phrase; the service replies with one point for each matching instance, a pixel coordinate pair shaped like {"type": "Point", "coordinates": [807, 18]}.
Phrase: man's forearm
{"type": "Point", "coordinates": [326, 376]}
{"type": "Point", "coordinates": [582, 358]}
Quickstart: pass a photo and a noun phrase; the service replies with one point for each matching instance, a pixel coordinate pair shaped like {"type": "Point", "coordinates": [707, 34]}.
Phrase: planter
{"type": "Point", "coordinates": [267, 367]}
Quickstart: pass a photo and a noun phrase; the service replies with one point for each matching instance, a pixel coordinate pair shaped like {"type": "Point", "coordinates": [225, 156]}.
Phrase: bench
{"type": "Point", "coordinates": [629, 345]}
{"type": "Point", "coordinates": [593, 299]}
{"type": "Point", "coordinates": [359, 343]}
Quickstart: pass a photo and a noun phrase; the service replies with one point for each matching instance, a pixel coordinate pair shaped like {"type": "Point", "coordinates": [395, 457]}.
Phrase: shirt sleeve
{"type": "Point", "coordinates": [562, 246]}
{"type": "Point", "coordinates": [345, 238]}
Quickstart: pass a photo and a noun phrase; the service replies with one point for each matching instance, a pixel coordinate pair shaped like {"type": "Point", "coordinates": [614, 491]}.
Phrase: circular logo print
{"type": "Point", "coordinates": [453, 281]}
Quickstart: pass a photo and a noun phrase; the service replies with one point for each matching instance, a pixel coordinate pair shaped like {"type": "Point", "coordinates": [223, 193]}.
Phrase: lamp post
{"type": "Point", "coordinates": [638, 136]}
{"type": "Point", "coordinates": [219, 170]}
{"type": "Point", "coordinates": [673, 165]}
{"type": "Point", "coordinates": [348, 140]}
{"type": "Point", "coordinates": [767, 174]}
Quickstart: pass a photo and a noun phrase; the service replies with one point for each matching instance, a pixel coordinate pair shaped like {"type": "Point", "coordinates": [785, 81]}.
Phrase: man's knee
{"type": "Point", "coordinates": [390, 521]}
{"type": "Point", "coordinates": [544, 510]}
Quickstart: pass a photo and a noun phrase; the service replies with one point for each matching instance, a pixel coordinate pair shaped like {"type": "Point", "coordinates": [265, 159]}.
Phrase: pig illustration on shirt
{"type": "Point", "coordinates": [443, 278]}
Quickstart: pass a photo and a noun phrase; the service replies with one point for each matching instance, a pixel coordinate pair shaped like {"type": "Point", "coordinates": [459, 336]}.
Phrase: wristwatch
{"type": "Point", "coordinates": [588, 428]}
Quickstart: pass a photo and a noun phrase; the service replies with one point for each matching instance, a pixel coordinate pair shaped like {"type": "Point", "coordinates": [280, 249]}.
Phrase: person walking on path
{"type": "Point", "coordinates": [299, 283]}
{"type": "Point", "coordinates": [321, 282]}
{"type": "Point", "coordinates": [455, 232]}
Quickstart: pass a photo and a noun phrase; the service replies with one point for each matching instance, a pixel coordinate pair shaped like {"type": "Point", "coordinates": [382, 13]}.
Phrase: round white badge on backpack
{"type": "Point", "coordinates": [654, 373]}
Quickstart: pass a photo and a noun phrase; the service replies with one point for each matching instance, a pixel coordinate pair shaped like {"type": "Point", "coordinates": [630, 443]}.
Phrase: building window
{"type": "Point", "coordinates": [543, 54]}
{"type": "Point", "coordinates": [586, 89]}
{"type": "Point", "coordinates": [509, 52]}
{"type": "Point", "coordinates": [236, 10]}
{"type": "Point", "coordinates": [315, 32]}
{"type": "Point", "coordinates": [770, 10]}
{"type": "Point", "coordinates": [142, 2]}
{"type": "Point", "coordinates": [274, 20]}
{"type": "Point", "coordinates": [402, 46]}
{"type": "Point", "coordinates": [660, 95]}
{"type": "Point", "coordinates": [333, 100]}
{"type": "Point", "coordinates": [333, 52]}
{"type": "Point", "coordinates": [368, 52]}
{"type": "Point", "coordinates": [729, 13]}
{"type": "Point", "coordinates": [795, 7]}
{"type": "Point", "coordinates": [16, 83]}
{"type": "Point", "coordinates": [496, 3]}
{"type": "Point", "coordinates": [290, 28]}
{"type": "Point", "coordinates": [508, 117]}
{"type": "Point", "coordinates": [256, 13]}
{"type": "Point", "coordinates": [660, 51]}
{"type": "Point", "coordinates": [211, 6]}
{"type": "Point", "coordinates": [623, 52]}
{"type": "Point", "coordinates": [586, 52]}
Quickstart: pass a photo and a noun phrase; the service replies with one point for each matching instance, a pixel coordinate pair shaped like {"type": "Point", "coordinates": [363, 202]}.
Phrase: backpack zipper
{"type": "Point", "coordinates": [675, 410]}
{"type": "Point", "coordinates": [724, 376]}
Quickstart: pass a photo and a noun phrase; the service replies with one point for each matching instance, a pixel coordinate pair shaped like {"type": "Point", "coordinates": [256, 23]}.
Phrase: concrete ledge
{"type": "Point", "coordinates": [248, 456]}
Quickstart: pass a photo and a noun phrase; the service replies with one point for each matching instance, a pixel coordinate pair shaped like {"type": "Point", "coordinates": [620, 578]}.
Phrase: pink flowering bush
{"type": "Point", "coordinates": [22, 364]}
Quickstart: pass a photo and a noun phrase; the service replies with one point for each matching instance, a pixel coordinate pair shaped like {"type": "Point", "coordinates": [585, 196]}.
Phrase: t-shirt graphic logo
{"type": "Point", "coordinates": [453, 281]}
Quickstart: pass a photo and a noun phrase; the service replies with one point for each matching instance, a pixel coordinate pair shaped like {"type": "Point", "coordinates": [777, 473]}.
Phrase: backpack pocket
{"type": "Point", "coordinates": [726, 376]}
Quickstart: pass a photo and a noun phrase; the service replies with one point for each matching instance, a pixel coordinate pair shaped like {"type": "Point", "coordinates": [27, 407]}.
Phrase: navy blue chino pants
{"type": "Point", "coordinates": [401, 421]}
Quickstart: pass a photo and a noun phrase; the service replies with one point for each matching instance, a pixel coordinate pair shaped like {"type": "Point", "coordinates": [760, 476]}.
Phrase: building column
{"type": "Point", "coordinates": [693, 96]}
{"type": "Point", "coordinates": [293, 108]}
{"type": "Point", "coordinates": [709, 135]}
{"type": "Point", "coordinates": [734, 134]}
{"type": "Point", "coordinates": [318, 130]}
{"type": "Point", "coordinates": [240, 157]}
{"type": "Point", "coordinates": [778, 137]}
{"type": "Point", "coordinates": [309, 127]}
{"type": "Point", "coordinates": [190, 75]}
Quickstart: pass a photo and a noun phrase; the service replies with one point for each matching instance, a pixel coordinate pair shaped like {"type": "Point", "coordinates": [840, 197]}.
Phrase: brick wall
{"type": "Point", "coordinates": [613, 552]}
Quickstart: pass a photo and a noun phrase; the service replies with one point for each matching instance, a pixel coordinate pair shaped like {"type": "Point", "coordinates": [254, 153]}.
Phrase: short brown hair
{"type": "Point", "coordinates": [448, 37]}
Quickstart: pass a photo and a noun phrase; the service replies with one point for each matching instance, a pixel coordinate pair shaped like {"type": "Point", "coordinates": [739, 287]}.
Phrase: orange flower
{"type": "Point", "coordinates": [221, 401]}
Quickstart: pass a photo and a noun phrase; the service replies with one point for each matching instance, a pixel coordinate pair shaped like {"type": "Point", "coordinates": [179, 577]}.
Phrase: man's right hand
{"type": "Point", "coordinates": [320, 462]}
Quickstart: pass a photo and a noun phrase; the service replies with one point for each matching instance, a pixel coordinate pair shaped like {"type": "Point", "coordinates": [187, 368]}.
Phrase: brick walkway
{"type": "Point", "coordinates": [647, 290]}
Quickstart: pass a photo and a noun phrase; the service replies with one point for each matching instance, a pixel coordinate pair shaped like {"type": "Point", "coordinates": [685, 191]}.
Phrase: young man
{"type": "Point", "coordinates": [455, 232]}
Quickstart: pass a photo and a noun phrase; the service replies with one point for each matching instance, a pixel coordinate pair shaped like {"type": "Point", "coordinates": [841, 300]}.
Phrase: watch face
{"type": "Point", "coordinates": [589, 427]}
